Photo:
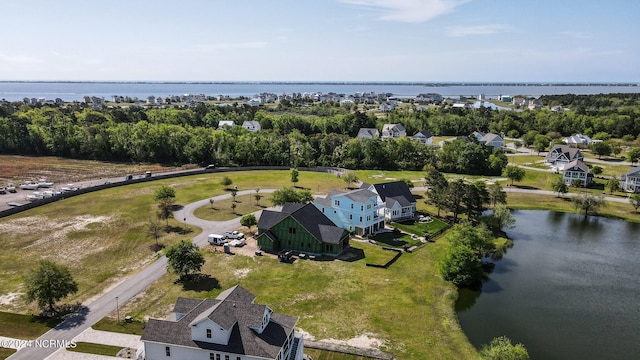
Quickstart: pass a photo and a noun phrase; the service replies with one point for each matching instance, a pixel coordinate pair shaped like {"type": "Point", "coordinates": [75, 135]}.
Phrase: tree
{"type": "Point", "coordinates": [289, 195]}
{"type": "Point", "coordinates": [350, 177]}
{"type": "Point", "coordinates": [477, 238]}
{"type": "Point", "coordinates": [596, 170]}
{"type": "Point", "coordinates": [613, 184]}
{"type": "Point", "coordinates": [164, 192]}
{"type": "Point", "coordinates": [409, 183]}
{"type": "Point", "coordinates": [248, 220]}
{"type": "Point", "coordinates": [165, 209]}
{"type": "Point", "coordinates": [559, 186]}
{"type": "Point", "coordinates": [154, 229]}
{"type": "Point", "coordinates": [503, 219]}
{"type": "Point", "coordinates": [294, 176]}
{"type": "Point", "coordinates": [541, 142]}
{"type": "Point", "coordinates": [226, 181]}
{"type": "Point", "coordinates": [635, 201]}
{"type": "Point", "coordinates": [233, 207]}
{"type": "Point", "coordinates": [437, 189]}
{"type": "Point", "coordinates": [513, 173]}
{"type": "Point", "coordinates": [48, 283]}
{"type": "Point", "coordinates": [601, 149]}
{"type": "Point", "coordinates": [257, 196]}
{"type": "Point", "coordinates": [576, 182]}
{"type": "Point", "coordinates": [234, 193]}
{"type": "Point", "coordinates": [588, 203]}
{"type": "Point", "coordinates": [184, 258]}
{"type": "Point", "coordinates": [496, 194]}
{"type": "Point", "coordinates": [461, 266]}
{"type": "Point", "coordinates": [501, 348]}
{"type": "Point", "coordinates": [633, 155]}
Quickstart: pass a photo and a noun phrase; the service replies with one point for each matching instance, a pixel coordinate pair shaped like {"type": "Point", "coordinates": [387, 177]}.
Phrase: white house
{"type": "Point", "coordinates": [229, 327]}
{"type": "Point", "coordinates": [225, 123]}
{"type": "Point", "coordinates": [424, 137]}
{"type": "Point", "coordinates": [560, 155]}
{"type": "Point", "coordinates": [576, 170]}
{"type": "Point", "coordinates": [251, 125]}
{"type": "Point", "coordinates": [358, 211]}
{"type": "Point", "coordinates": [393, 131]}
{"type": "Point", "coordinates": [399, 203]}
{"type": "Point", "coordinates": [578, 140]}
{"type": "Point", "coordinates": [630, 181]}
{"type": "Point", "coordinates": [368, 133]}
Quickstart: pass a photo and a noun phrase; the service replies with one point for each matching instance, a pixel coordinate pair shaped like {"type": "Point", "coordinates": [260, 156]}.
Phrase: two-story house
{"type": "Point", "coordinates": [301, 228]}
{"type": "Point", "coordinates": [359, 211]}
{"type": "Point", "coordinates": [630, 181]}
{"type": "Point", "coordinates": [489, 139]}
{"type": "Point", "coordinates": [576, 170]}
{"type": "Point", "coordinates": [578, 140]}
{"type": "Point", "coordinates": [399, 203]}
{"type": "Point", "coordinates": [423, 137]}
{"type": "Point", "coordinates": [560, 155]}
{"type": "Point", "coordinates": [393, 131]}
{"type": "Point", "coordinates": [229, 327]}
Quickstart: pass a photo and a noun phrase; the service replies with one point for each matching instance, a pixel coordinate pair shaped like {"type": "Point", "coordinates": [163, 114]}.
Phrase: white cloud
{"type": "Point", "coordinates": [413, 11]}
{"type": "Point", "coordinates": [460, 31]}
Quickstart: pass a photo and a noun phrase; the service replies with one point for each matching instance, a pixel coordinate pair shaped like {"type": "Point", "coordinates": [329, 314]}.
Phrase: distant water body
{"type": "Point", "coordinates": [70, 91]}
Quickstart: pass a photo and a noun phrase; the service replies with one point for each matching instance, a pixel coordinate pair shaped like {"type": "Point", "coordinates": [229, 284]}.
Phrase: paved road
{"type": "Point", "coordinates": [130, 287]}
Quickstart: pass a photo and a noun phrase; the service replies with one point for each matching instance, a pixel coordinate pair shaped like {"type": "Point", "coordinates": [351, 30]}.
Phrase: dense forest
{"type": "Point", "coordinates": [309, 135]}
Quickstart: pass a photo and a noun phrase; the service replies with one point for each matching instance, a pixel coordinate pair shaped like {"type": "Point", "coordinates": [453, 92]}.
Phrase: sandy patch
{"type": "Point", "coordinates": [241, 273]}
{"type": "Point", "coordinates": [9, 298]}
{"type": "Point", "coordinates": [364, 341]}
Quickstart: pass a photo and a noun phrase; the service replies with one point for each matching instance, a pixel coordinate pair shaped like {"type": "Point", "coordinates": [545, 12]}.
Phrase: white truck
{"type": "Point", "coordinates": [233, 235]}
{"type": "Point", "coordinates": [215, 239]}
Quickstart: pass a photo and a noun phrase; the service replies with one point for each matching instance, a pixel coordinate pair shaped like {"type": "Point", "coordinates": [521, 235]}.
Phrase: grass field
{"type": "Point", "coordinates": [222, 211]}
{"type": "Point", "coordinates": [107, 324]}
{"type": "Point", "coordinates": [98, 349]}
{"type": "Point", "coordinates": [5, 353]}
{"type": "Point", "coordinates": [331, 355]}
{"type": "Point", "coordinates": [20, 326]}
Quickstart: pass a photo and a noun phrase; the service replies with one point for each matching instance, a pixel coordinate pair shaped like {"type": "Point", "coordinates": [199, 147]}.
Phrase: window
{"type": "Point", "coordinates": [336, 202]}
{"type": "Point", "coordinates": [167, 351]}
{"type": "Point", "coordinates": [352, 206]}
{"type": "Point", "coordinates": [350, 216]}
{"type": "Point", "coordinates": [361, 207]}
{"type": "Point", "coordinates": [208, 333]}
{"type": "Point", "coordinates": [323, 210]}
{"type": "Point", "coordinates": [211, 356]}
{"type": "Point", "coordinates": [292, 230]}
{"type": "Point", "coordinates": [360, 218]}
{"type": "Point", "coordinates": [226, 357]}
{"type": "Point", "coordinates": [368, 206]}
{"type": "Point", "coordinates": [217, 356]}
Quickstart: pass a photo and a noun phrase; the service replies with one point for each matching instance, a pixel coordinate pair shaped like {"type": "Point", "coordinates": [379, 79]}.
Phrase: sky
{"type": "Point", "coordinates": [321, 40]}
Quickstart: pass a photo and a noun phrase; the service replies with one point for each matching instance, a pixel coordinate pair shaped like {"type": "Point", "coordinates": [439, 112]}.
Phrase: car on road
{"type": "Point", "coordinates": [233, 235]}
{"type": "Point", "coordinates": [210, 166]}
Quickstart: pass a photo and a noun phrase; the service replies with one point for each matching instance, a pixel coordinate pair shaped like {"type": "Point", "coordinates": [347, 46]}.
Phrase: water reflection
{"type": "Point", "coordinates": [568, 289]}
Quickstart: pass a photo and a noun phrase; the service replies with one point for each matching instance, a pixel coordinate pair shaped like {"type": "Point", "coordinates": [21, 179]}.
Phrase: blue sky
{"type": "Point", "coordinates": [321, 40]}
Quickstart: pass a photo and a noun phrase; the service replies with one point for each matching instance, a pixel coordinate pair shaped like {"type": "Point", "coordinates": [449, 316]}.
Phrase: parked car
{"type": "Point", "coordinates": [233, 235]}
{"type": "Point", "coordinates": [11, 188]}
{"type": "Point", "coordinates": [237, 242]}
{"type": "Point", "coordinates": [210, 166]}
{"type": "Point", "coordinates": [3, 190]}
{"type": "Point", "coordinates": [215, 239]}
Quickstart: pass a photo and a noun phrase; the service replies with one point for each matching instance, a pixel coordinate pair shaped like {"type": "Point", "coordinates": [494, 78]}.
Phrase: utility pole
{"type": "Point", "coordinates": [117, 310]}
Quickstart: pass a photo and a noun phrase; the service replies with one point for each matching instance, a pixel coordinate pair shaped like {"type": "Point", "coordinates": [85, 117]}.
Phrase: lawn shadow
{"type": "Point", "coordinates": [177, 207]}
{"type": "Point", "coordinates": [199, 283]}
{"type": "Point", "coordinates": [178, 229]}
{"type": "Point", "coordinates": [351, 255]}
{"type": "Point", "coordinates": [526, 187]}
{"type": "Point", "coordinates": [418, 197]}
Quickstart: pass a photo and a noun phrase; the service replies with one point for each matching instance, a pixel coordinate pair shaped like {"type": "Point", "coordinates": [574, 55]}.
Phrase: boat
{"type": "Point", "coordinates": [11, 188]}
{"type": "Point", "coordinates": [43, 183]}
{"type": "Point", "coordinates": [51, 193]}
{"type": "Point", "coordinates": [35, 196]}
{"type": "Point", "coordinates": [28, 185]}
{"type": "Point", "coordinates": [68, 188]}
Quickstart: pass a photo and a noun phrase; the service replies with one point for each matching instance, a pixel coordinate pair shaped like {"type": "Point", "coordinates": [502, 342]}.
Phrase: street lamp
{"type": "Point", "coordinates": [117, 310]}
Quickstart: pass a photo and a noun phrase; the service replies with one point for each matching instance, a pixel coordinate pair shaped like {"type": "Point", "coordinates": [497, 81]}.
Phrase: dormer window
{"type": "Point", "coordinates": [208, 333]}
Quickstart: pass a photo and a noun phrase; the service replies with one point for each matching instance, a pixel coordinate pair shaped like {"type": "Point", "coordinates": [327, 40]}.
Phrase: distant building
{"type": "Point", "coordinates": [224, 124]}
{"type": "Point", "coordinates": [251, 125]}
{"type": "Point", "coordinates": [368, 133]}
{"type": "Point", "coordinates": [576, 170]}
{"type": "Point", "coordinates": [423, 137]}
{"type": "Point", "coordinates": [393, 131]}
{"type": "Point", "coordinates": [630, 182]}
{"type": "Point", "coordinates": [578, 140]}
{"type": "Point", "coordinates": [560, 155]}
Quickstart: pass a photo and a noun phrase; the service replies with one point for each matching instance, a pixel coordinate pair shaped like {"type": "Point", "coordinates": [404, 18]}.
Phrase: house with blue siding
{"type": "Point", "coordinates": [359, 211]}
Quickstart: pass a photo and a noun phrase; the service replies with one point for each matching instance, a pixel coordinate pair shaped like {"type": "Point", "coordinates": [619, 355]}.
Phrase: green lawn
{"type": "Point", "coordinates": [26, 327]}
{"type": "Point", "coordinates": [420, 229]}
{"type": "Point", "coordinates": [5, 353]}
{"type": "Point", "coordinates": [106, 324]}
{"type": "Point", "coordinates": [98, 349]}
{"type": "Point", "coordinates": [222, 211]}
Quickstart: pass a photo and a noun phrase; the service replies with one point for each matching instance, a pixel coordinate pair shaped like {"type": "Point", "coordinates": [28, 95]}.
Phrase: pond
{"type": "Point", "coordinates": [568, 289]}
